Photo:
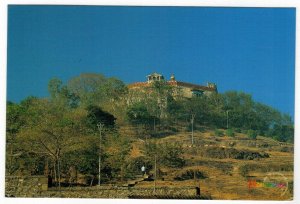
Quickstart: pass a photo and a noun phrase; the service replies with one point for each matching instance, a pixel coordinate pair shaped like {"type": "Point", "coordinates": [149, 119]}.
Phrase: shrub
{"type": "Point", "coordinates": [222, 153]}
{"type": "Point", "coordinates": [136, 164]}
{"type": "Point", "coordinates": [168, 154]}
{"type": "Point", "coordinates": [238, 130]}
{"type": "Point", "coordinates": [291, 187]}
{"type": "Point", "coordinates": [244, 170]}
{"type": "Point", "coordinates": [190, 174]}
{"type": "Point", "coordinates": [171, 155]}
{"type": "Point", "coordinates": [252, 134]}
{"type": "Point", "coordinates": [219, 133]}
{"type": "Point", "coordinates": [230, 132]}
{"type": "Point", "coordinates": [287, 149]}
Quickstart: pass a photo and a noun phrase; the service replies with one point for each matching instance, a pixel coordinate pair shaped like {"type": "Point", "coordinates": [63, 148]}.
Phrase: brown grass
{"type": "Point", "coordinates": [223, 178]}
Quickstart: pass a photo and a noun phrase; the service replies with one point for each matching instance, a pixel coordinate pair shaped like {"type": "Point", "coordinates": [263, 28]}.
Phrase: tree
{"type": "Point", "coordinates": [283, 133]}
{"type": "Point", "coordinates": [252, 134]}
{"type": "Point", "coordinates": [117, 148]}
{"type": "Point", "coordinates": [138, 114]}
{"type": "Point", "coordinates": [96, 89]}
{"type": "Point", "coordinates": [96, 115]}
{"type": "Point", "coordinates": [53, 132]}
{"type": "Point", "coordinates": [61, 95]}
{"type": "Point", "coordinates": [230, 132]}
{"type": "Point", "coordinates": [14, 122]}
{"type": "Point", "coordinates": [167, 154]}
{"type": "Point", "coordinates": [87, 86]}
{"type": "Point", "coordinates": [17, 118]}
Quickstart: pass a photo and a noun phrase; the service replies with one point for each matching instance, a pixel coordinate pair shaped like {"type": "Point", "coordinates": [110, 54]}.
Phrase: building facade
{"type": "Point", "coordinates": [184, 89]}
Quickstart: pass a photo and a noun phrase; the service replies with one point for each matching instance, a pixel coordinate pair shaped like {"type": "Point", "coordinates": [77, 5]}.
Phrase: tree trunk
{"type": "Point", "coordinates": [58, 172]}
{"type": "Point", "coordinates": [55, 173]}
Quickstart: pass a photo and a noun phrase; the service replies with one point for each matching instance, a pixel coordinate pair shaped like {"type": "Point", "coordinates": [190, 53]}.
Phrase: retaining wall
{"type": "Point", "coordinates": [37, 186]}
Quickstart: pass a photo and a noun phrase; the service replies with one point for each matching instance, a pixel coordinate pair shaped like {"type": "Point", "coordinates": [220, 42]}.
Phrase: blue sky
{"type": "Point", "coordinates": [243, 49]}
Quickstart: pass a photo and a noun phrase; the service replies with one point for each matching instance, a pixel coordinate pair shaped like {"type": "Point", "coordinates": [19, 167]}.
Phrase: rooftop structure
{"type": "Point", "coordinates": [187, 89]}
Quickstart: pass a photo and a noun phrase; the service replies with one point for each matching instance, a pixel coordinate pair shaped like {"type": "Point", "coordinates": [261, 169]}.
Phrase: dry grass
{"type": "Point", "coordinates": [224, 180]}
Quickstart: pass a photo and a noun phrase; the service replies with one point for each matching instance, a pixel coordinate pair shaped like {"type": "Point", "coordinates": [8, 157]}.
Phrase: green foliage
{"type": "Point", "coordinates": [218, 133]}
{"type": "Point", "coordinates": [14, 120]}
{"type": "Point", "coordinates": [283, 133]}
{"type": "Point", "coordinates": [222, 153]}
{"type": "Point", "coordinates": [117, 149]}
{"type": "Point", "coordinates": [61, 131]}
{"type": "Point", "coordinates": [138, 114]}
{"type": "Point", "coordinates": [230, 133]}
{"type": "Point", "coordinates": [244, 171]}
{"type": "Point", "coordinates": [191, 174]}
{"type": "Point", "coordinates": [61, 95]}
{"type": "Point", "coordinates": [134, 165]}
{"type": "Point", "coordinates": [237, 130]}
{"type": "Point", "coordinates": [96, 89]}
{"type": "Point", "coordinates": [257, 167]}
{"type": "Point", "coordinates": [252, 134]}
{"type": "Point", "coordinates": [96, 115]}
{"type": "Point", "coordinates": [167, 154]}
{"type": "Point", "coordinates": [291, 187]}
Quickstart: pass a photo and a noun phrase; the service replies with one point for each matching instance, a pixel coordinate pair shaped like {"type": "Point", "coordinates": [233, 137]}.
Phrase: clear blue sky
{"type": "Point", "coordinates": [243, 49]}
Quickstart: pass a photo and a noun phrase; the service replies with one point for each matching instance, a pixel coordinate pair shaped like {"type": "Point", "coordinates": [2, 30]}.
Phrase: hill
{"type": "Point", "coordinates": [219, 166]}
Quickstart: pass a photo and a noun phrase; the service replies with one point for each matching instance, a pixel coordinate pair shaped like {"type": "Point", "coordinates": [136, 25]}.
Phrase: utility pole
{"type": "Point", "coordinates": [192, 121]}
{"type": "Point", "coordinates": [100, 126]}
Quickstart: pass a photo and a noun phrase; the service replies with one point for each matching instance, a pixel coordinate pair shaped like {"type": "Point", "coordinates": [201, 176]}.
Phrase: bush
{"type": "Point", "coordinates": [287, 149]}
{"type": "Point", "coordinates": [219, 133]}
{"type": "Point", "coordinates": [168, 154]}
{"type": "Point", "coordinates": [225, 167]}
{"type": "Point", "coordinates": [134, 166]}
{"type": "Point", "coordinates": [222, 153]}
{"type": "Point", "coordinates": [252, 134]}
{"type": "Point", "coordinates": [171, 155]}
{"type": "Point", "coordinates": [291, 187]}
{"type": "Point", "coordinates": [238, 130]}
{"type": "Point", "coordinates": [230, 132]}
{"type": "Point", "coordinates": [244, 170]}
{"type": "Point", "coordinates": [190, 174]}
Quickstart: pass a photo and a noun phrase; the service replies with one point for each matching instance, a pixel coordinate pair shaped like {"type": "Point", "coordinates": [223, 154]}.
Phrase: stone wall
{"type": "Point", "coordinates": [37, 186]}
{"type": "Point", "coordinates": [26, 186]}
{"type": "Point", "coordinates": [118, 192]}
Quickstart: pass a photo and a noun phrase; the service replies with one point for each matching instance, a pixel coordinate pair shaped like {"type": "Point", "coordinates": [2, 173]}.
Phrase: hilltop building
{"type": "Point", "coordinates": [186, 89]}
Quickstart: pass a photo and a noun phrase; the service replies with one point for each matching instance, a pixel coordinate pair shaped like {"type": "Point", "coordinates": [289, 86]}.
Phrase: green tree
{"type": "Point", "coordinates": [230, 132]}
{"type": "Point", "coordinates": [138, 114]}
{"type": "Point", "coordinates": [167, 154]}
{"type": "Point", "coordinates": [252, 134]}
{"type": "Point", "coordinates": [117, 148]}
{"type": "Point", "coordinates": [61, 95]}
{"type": "Point", "coordinates": [96, 89]}
{"type": "Point", "coordinates": [96, 115]}
{"type": "Point", "coordinates": [52, 132]}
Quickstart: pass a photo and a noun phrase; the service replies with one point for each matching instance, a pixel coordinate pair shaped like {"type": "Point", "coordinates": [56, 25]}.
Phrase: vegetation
{"type": "Point", "coordinates": [59, 135]}
{"type": "Point", "coordinates": [219, 133]}
{"type": "Point", "coordinates": [221, 153]}
{"type": "Point", "coordinates": [245, 169]}
{"type": "Point", "coordinates": [190, 174]}
{"type": "Point", "coordinates": [252, 134]}
{"type": "Point", "coordinates": [230, 133]}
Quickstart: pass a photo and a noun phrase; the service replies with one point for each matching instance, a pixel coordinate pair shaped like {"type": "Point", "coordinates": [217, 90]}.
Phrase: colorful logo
{"type": "Point", "coordinates": [271, 180]}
